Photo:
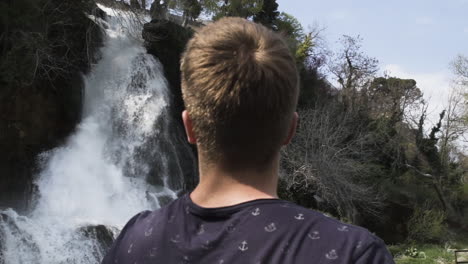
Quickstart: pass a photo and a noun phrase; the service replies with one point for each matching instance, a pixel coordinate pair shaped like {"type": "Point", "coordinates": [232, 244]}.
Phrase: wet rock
{"type": "Point", "coordinates": [102, 235]}
{"type": "Point", "coordinates": [166, 40]}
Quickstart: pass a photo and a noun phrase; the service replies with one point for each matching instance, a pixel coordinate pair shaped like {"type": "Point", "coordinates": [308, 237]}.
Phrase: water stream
{"type": "Point", "coordinates": [89, 187]}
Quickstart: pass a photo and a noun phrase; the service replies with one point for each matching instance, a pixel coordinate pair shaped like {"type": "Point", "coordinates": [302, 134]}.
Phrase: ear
{"type": "Point", "coordinates": [292, 129]}
{"type": "Point", "coordinates": [188, 127]}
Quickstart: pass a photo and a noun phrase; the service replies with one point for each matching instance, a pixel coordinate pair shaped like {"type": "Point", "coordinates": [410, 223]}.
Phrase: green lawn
{"type": "Point", "coordinates": [429, 253]}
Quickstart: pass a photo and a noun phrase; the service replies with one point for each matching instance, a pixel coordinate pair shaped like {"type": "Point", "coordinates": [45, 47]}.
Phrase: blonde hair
{"type": "Point", "coordinates": [240, 88]}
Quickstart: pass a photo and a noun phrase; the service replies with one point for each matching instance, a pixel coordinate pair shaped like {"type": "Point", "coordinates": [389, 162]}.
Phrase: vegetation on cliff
{"type": "Point", "coordinates": [45, 46]}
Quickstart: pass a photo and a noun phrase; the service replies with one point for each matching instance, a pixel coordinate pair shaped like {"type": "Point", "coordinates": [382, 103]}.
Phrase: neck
{"type": "Point", "coordinates": [220, 187]}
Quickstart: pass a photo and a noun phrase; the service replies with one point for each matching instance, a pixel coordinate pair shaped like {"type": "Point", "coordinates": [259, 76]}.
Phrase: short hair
{"type": "Point", "coordinates": [240, 88]}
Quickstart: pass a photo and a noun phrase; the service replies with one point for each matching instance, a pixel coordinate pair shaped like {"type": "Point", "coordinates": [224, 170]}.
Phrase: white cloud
{"type": "Point", "coordinates": [434, 85]}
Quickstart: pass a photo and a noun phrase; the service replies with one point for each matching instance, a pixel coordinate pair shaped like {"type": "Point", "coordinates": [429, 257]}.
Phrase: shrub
{"type": "Point", "coordinates": [427, 226]}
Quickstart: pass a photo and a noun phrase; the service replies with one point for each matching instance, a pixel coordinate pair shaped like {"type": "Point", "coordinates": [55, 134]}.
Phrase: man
{"type": "Point", "coordinates": [240, 88]}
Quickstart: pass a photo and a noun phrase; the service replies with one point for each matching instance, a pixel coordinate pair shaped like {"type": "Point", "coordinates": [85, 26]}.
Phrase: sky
{"type": "Point", "coordinates": [411, 38]}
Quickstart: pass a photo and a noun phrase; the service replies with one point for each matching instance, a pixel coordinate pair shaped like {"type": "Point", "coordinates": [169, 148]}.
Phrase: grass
{"type": "Point", "coordinates": [430, 253]}
{"type": "Point", "coordinates": [427, 254]}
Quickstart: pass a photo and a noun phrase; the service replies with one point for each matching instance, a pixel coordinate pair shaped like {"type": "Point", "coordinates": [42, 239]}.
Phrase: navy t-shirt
{"type": "Point", "coordinates": [264, 231]}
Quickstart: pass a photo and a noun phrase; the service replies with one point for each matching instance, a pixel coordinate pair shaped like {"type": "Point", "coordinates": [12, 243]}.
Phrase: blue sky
{"type": "Point", "coordinates": [412, 39]}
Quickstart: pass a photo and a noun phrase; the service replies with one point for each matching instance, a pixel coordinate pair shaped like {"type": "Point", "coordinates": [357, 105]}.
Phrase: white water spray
{"type": "Point", "coordinates": [99, 176]}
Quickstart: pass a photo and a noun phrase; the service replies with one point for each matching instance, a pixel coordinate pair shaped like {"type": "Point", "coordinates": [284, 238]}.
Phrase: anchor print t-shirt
{"type": "Point", "coordinates": [264, 231]}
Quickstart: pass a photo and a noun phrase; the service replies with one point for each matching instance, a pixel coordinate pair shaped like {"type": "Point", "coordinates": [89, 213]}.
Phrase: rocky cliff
{"type": "Point", "coordinates": [45, 48]}
{"type": "Point", "coordinates": [166, 40]}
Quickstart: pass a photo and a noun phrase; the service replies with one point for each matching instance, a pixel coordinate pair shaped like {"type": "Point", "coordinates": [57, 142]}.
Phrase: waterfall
{"type": "Point", "coordinates": [89, 187]}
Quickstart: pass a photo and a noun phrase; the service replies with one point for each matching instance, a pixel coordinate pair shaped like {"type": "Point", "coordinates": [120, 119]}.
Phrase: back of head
{"type": "Point", "coordinates": [240, 88]}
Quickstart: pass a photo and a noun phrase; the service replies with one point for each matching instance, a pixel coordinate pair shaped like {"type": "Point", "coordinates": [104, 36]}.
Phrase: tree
{"type": "Point", "coordinates": [460, 69]}
{"type": "Point", "coordinates": [304, 49]}
{"type": "Point", "coordinates": [299, 43]}
{"type": "Point", "coordinates": [238, 8]}
{"type": "Point", "coordinates": [268, 14]}
{"type": "Point", "coordinates": [290, 26]}
{"type": "Point", "coordinates": [327, 161]}
{"type": "Point", "coordinates": [352, 69]}
{"type": "Point", "coordinates": [159, 9]}
{"type": "Point", "coordinates": [393, 97]}
{"type": "Point", "coordinates": [191, 9]}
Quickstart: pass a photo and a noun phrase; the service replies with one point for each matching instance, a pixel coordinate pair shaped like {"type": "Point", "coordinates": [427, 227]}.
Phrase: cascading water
{"type": "Point", "coordinates": [92, 185]}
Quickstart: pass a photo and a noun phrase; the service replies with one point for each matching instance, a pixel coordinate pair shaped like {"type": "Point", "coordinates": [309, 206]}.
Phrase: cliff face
{"type": "Point", "coordinates": [46, 47]}
{"type": "Point", "coordinates": [166, 40]}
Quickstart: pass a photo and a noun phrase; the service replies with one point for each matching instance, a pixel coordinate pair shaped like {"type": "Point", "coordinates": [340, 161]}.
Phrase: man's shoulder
{"type": "Point", "coordinates": [317, 220]}
{"type": "Point", "coordinates": [149, 218]}
{"type": "Point", "coordinates": [319, 232]}
{"type": "Point", "coordinates": [295, 216]}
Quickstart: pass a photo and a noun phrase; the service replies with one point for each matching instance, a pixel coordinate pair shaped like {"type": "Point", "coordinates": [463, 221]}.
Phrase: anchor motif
{"type": "Point", "coordinates": [150, 219]}
{"type": "Point", "coordinates": [148, 232]}
{"type": "Point", "coordinates": [256, 212]}
{"type": "Point", "coordinates": [171, 219]}
{"type": "Point", "coordinates": [270, 228]}
{"type": "Point", "coordinates": [221, 261]}
{"type": "Point", "coordinates": [175, 239]}
{"type": "Point", "coordinates": [285, 248]}
{"type": "Point", "coordinates": [201, 229]}
{"type": "Point", "coordinates": [299, 217]}
{"type": "Point", "coordinates": [187, 210]}
{"type": "Point", "coordinates": [206, 245]}
{"type": "Point", "coordinates": [230, 228]}
{"type": "Point", "coordinates": [331, 255]}
{"type": "Point", "coordinates": [243, 246]}
{"type": "Point", "coordinates": [153, 252]}
{"type": "Point", "coordinates": [343, 229]}
{"type": "Point", "coordinates": [359, 244]}
{"type": "Point", "coordinates": [314, 236]}
{"type": "Point", "coordinates": [130, 248]}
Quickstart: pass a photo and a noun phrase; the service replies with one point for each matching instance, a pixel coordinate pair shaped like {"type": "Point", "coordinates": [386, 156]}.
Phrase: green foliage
{"type": "Point", "coordinates": [427, 225]}
{"type": "Point", "coordinates": [238, 8]}
{"type": "Point", "coordinates": [190, 8]}
{"type": "Point", "coordinates": [299, 43]}
{"type": "Point", "coordinates": [433, 253]}
{"type": "Point", "coordinates": [268, 14]}
{"type": "Point", "coordinates": [304, 49]}
{"type": "Point", "coordinates": [290, 26]}
{"type": "Point", "coordinates": [424, 254]}
{"type": "Point", "coordinates": [392, 97]}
